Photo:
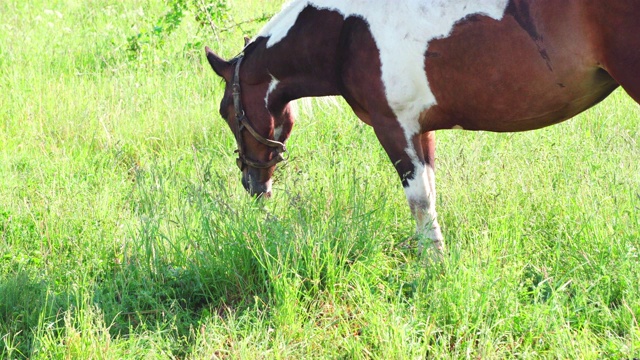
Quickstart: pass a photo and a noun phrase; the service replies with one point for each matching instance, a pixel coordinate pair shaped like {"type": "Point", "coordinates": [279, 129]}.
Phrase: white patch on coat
{"type": "Point", "coordinates": [277, 132]}
{"type": "Point", "coordinates": [272, 87]}
{"type": "Point", "coordinates": [269, 186]}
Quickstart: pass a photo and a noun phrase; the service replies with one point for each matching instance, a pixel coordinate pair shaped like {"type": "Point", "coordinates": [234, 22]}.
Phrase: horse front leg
{"type": "Point", "coordinates": [420, 190]}
{"type": "Point", "coordinates": [413, 157]}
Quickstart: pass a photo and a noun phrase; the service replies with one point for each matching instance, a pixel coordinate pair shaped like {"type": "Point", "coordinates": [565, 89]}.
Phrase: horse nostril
{"type": "Point", "coordinates": [260, 193]}
{"type": "Point", "coordinates": [265, 195]}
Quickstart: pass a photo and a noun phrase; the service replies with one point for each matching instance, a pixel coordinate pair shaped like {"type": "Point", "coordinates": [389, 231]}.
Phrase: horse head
{"type": "Point", "coordinates": [257, 114]}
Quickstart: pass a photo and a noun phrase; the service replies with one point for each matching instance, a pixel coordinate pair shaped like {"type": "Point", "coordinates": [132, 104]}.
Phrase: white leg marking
{"type": "Point", "coordinates": [421, 196]}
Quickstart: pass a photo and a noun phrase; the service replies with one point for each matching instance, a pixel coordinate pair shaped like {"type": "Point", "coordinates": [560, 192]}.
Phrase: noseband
{"type": "Point", "coordinates": [242, 123]}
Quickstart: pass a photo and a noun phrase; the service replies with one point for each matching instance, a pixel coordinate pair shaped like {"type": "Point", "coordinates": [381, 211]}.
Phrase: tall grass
{"type": "Point", "coordinates": [125, 232]}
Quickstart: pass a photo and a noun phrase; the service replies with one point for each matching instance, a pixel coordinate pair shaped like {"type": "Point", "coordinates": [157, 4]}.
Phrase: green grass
{"type": "Point", "coordinates": [125, 231]}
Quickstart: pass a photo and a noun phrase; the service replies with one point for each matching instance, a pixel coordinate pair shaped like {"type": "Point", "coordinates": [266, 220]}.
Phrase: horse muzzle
{"type": "Point", "coordinates": [254, 187]}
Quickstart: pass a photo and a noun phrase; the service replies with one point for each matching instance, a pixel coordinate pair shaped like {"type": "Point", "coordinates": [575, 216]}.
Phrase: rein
{"type": "Point", "coordinates": [243, 123]}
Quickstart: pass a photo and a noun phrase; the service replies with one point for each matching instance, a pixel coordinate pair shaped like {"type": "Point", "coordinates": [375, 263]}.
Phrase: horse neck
{"type": "Point", "coordinates": [301, 68]}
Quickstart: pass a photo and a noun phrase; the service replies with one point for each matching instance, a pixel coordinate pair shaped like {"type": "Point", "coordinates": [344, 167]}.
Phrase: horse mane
{"type": "Point", "coordinates": [247, 50]}
{"type": "Point", "coordinates": [251, 46]}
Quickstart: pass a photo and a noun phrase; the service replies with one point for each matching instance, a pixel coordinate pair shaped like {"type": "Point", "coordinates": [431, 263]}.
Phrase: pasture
{"type": "Point", "coordinates": [125, 231]}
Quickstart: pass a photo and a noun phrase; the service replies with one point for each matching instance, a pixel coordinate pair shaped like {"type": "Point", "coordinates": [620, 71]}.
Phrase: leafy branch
{"type": "Point", "coordinates": [214, 16]}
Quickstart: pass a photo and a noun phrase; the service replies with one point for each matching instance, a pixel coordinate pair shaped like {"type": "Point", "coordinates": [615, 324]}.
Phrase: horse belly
{"type": "Point", "coordinates": [500, 76]}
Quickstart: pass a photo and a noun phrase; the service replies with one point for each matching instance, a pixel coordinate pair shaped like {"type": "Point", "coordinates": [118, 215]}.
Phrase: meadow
{"type": "Point", "coordinates": [125, 232]}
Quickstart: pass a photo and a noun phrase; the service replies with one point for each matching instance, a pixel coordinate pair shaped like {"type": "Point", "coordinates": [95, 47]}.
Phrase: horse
{"type": "Point", "coordinates": [409, 68]}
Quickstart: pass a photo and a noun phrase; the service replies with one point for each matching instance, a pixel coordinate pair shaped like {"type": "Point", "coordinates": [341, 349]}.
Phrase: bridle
{"type": "Point", "coordinates": [242, 123]}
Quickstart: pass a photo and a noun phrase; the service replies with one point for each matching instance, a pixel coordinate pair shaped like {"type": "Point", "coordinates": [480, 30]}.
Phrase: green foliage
{"type": "Point", "coordinates": [164, 27]}
{"type": "Point", "coordinates": [212, 17]}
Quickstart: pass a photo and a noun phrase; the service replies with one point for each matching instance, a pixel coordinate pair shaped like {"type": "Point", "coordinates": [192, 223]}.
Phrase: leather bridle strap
{"type": "Point", "coordinates": [242, 123]}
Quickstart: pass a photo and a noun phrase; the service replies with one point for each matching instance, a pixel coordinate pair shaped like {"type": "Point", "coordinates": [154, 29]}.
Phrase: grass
{"type": "Point", "coordinates": [125, 232]}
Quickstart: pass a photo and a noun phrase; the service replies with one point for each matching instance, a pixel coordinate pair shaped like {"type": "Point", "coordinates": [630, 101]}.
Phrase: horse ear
{"type": "Point", "coordinates": [222, 67]}
{"type": "Point", "coordinates": [247, 40]}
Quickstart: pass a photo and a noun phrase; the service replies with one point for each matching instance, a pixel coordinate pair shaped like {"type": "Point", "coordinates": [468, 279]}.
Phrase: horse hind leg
{"type": "Point", "coordinates": [428, 147]}
{"type": "Point", "coordinates": [428, 144]}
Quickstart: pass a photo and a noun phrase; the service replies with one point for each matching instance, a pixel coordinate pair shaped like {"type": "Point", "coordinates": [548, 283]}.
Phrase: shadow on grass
{"type": "Point", "coordinates": [178, 295]}
{"type": "Point", "coordinates": [24, 300]}
{"type": "Point", "coordinates": [33, 315]}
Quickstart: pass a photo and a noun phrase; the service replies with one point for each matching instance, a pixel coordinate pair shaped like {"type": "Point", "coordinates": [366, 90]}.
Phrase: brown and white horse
{"type": "Point", "coordinates": [408, 68]}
